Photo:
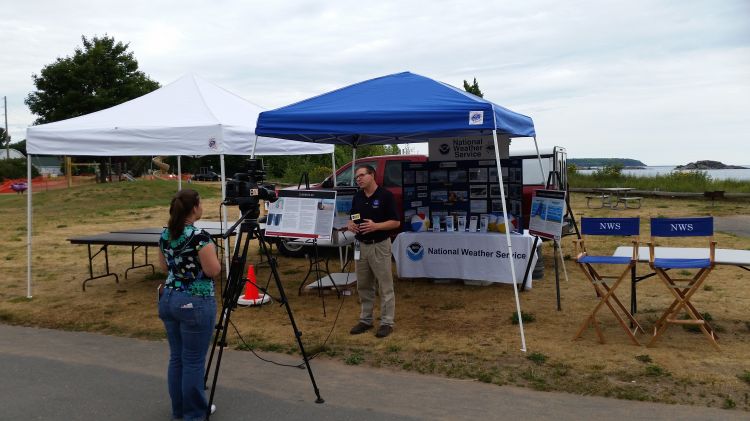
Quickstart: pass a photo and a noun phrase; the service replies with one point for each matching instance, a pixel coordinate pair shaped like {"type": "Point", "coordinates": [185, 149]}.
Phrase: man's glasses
{"type": "Point", "coordinates": [358, 176]}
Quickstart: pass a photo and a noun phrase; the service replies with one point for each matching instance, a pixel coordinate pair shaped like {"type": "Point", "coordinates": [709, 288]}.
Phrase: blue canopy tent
{"type": "Point", "coordinates": [399, 108]}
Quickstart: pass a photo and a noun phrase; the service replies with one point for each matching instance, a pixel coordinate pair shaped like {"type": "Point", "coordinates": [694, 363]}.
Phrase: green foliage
{"type": "Point", "coordinates": [654, 370]}
{"type": "Point", "coordinates": [98, 76]}
{"type": "Point", "coordinates": [537, 358]}
{"type": "Point", "coordinates": [15, 168]}
{"type": "Point", "coordinates": [609, 171]}
{"type": "Point", "coordinates": [473, 88]}
{"type": "Point", "coordinates": [644, 358]}
{"type": "Point", "coordinates": [572, 168]}
{"type": "Point", "coordinates": [4, 137]}
{"type": "Point", "coordinates": [745, 377]}
{"type": "Point", "coordinates": [729, 403]}
{"type": "Point", "coordinates": [355, 358]}
{"type": "Point", "coordinates": [526, 317]}
{"type": "Point", "coordinates": [678, 181]}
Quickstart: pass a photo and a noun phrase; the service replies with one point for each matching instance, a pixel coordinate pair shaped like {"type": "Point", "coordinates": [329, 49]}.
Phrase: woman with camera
{"type": "Point", "coordinates": [187, 305]}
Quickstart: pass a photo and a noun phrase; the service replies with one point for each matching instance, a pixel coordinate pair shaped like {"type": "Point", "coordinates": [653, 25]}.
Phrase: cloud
{"type": "Point", "coordinates": [637, 79]}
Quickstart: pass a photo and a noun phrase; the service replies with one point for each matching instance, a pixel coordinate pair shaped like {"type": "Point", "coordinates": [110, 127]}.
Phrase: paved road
{"type": "Point", "coordinates": [56, 375]}
{"type": "Point", "coordinates": [737, 224]}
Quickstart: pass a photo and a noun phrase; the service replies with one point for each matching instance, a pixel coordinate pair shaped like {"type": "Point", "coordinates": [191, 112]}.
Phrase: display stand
{"type": "Point", "coordinates": [338, 281]}
{"type": "Point", "coordinates": [556, 245]}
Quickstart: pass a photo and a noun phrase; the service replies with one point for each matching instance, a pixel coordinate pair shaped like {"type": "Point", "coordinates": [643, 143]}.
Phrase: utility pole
{"type": "Point", "coordinates": [7, 138]}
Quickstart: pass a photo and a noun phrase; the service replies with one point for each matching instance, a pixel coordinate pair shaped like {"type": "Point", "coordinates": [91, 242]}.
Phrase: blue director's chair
{"type": "Point", "coordinates": [624, 227]}
{"type": "Point", "coordinates": [683, 288]}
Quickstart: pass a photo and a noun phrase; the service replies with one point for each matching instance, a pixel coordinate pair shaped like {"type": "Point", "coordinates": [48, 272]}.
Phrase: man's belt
{"type": "Point", "coordinates": [372, 241]}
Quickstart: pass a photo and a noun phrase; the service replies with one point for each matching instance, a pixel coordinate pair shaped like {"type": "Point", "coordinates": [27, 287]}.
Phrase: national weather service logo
{"type": "Point", "coordinates": [212, 143]}
{"type": "Point", "coordinates": [476, 117]}
{"type": "Point", "coordinates": [415, 251]}
{"type": "Point", "coordinates": [444, 149]}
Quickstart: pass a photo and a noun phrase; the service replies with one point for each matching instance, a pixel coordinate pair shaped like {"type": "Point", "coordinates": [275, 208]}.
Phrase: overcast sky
{"type": "Point", "coordinates": [666, 82]}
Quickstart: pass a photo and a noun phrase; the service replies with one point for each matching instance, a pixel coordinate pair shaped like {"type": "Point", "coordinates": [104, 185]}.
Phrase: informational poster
{"type": "Point", "coordinates": [547, 212]}
{"type": "Point", "coordinates": [302, 214]}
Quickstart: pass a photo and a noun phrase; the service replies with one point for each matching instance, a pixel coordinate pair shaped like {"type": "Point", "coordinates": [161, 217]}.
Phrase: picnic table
{"type": "Point", "coordinates": [611, 197]}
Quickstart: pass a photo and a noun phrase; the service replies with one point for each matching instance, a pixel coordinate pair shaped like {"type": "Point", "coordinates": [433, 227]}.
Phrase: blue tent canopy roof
{"type": "Point", "coordinates": [399, 108]}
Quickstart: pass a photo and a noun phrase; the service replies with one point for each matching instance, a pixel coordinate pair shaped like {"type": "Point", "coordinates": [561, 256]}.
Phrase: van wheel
{"type": "Point", "coordinates": [291, 249]}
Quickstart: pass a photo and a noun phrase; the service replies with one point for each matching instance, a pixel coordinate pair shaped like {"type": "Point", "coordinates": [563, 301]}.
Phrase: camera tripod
{"type": "Point", "coordinates": [248, 230]}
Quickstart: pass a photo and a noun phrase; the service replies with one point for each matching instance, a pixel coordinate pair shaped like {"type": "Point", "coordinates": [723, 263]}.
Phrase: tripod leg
{"type": "Point", "coordinates": [232, 292]}
{"type": "Point", "coordinates": [285, 301]}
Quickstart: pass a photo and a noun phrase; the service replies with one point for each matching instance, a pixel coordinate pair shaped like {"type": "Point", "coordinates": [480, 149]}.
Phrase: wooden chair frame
{"type": "Point", "coordinates": [604, 291]}
{"type": "Point", "coordinates": [683, 289]}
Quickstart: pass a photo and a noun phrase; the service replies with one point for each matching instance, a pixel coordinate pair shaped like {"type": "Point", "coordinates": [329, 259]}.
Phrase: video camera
{"type": "Point", "coordinates": [245, 189]}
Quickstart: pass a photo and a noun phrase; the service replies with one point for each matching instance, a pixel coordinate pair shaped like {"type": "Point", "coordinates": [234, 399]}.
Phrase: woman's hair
{"type": "Point", "coordinates": [182, 205]}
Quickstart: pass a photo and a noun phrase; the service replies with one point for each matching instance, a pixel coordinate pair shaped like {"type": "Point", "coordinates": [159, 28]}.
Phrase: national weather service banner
{"type": "Point", "coordinates": [467, 148]}
{"type": "Point", "coordinates": [468, 256]}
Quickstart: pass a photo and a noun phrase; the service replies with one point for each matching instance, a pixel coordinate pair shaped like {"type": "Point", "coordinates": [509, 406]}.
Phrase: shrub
{"type": "Point", "coordinates": [15, 168]}
{"type": "Point", "coordinates": [526, 317]}
{"type": "Point", "coordinates": [537, 358]}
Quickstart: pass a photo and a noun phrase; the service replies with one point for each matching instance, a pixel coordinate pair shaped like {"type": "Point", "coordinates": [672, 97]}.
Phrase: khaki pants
{"type": "Point", "coordinates": [374, 272]}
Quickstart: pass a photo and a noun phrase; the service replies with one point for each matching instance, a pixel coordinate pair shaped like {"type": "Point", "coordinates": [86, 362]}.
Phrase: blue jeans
{"type": "Point", "coordinates": [189, 321]}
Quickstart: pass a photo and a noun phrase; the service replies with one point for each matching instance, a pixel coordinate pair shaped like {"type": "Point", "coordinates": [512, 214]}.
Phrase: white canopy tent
{"type": "Point", "coordinates": [189, 116]}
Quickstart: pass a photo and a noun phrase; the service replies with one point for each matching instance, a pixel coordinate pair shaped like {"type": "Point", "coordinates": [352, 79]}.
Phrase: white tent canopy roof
{"type": "Point", "coordinates": [190, 116]}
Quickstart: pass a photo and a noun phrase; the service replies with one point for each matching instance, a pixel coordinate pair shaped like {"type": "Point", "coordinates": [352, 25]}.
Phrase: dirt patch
{"type": "Point", "coordinates": [450, 329]}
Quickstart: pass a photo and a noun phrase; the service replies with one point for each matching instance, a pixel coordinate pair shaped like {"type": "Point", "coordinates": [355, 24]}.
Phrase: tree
{"type": "Point", "coordinates": [473, 88]}
{"type": "Point", "coordinates": [99, 75]}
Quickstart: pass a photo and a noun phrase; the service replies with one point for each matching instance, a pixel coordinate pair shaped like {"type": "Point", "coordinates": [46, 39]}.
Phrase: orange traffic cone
{"type": "Point", "coordinates": [252, 296]}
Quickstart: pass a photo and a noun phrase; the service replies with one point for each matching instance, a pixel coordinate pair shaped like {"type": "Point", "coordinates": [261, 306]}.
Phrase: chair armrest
{"type": "Point", "coordinates": [712, 251]}
{"type": "Point", "coordinates": [651, 251]}
{"type": "Point", "coordinates": [579, 246]}
{"type": "Point", "coordinates": [635, 250]}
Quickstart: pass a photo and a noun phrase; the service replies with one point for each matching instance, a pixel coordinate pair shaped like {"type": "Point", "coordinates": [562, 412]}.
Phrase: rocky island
{"type": "Point", "coordinates": [708, 165]}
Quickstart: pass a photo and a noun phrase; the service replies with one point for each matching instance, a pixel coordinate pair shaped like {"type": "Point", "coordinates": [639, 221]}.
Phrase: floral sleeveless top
{"type": "Point", "coordinates": [185, 272]}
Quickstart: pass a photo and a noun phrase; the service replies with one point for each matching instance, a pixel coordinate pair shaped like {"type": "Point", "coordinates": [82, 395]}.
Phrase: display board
{"type": "Point", "coordinates": [547, 212]}
{"type": "Point", "coordinates": [463, 190]}
{"type": "Point", "coordinates": [302, 214]}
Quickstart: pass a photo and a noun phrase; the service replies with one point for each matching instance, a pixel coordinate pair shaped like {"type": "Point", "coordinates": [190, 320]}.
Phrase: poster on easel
{"type": "Point", "coordinates": [547, 212]}
{"type": "Point", "coordinates": [302, 214]}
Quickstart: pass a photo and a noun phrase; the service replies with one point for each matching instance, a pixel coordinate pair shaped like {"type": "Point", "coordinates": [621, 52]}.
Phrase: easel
{"type": "Point", "coordinates": [314, 258]}
{"type": "Point", "coordinates": [556, 243]}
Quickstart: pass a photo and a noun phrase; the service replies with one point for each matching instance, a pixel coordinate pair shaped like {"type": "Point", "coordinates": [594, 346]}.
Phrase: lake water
{"type": "Point", "coordinates": [743, 174]}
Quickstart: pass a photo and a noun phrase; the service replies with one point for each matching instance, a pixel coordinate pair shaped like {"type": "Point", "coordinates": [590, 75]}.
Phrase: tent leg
{"type": "Point", "coordinates": [179, 173]}
{"type": "Point", "coordinates": [354, 159]}
{"type": "Point", "coordinates": [333, 166]}
{"type": "Point", "coordinates": [29, 233]}
{"type": "Point", "coordinates": [507, 238]}
{"type": "Point", "coordinates": [224, 210]}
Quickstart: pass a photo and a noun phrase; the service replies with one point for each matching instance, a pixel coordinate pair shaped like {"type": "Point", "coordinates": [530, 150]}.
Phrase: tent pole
{"type": "Point", "coordinates": [354, 158]}
{"type": "Point", "coordinates": [225, 221]}
{"type": "Point", "coordinates": [507, 238]}
{"type": "Point", "coordinates": [179, 172]}
{"type": "Point", "coordinates": [333, 166]}
{"type": "Point", "coordinates": [255, 144]}
{"type": "Point", "coordinates": [28, 225]}
{"type": "Point", "coordinates": [539, 157]}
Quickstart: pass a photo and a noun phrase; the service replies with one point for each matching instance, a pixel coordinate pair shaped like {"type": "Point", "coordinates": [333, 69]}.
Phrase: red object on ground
{"type": "Point", "coordinates": [251, 289]}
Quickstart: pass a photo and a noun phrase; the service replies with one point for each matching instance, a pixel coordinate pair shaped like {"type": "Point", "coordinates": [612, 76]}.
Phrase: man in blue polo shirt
{"type": "Point", "coordinates": [373, 217]}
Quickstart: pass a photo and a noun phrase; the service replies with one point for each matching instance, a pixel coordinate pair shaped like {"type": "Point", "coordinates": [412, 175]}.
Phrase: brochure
{"type": "Point", "coordinates": [436, 224]}
{"type": "Point", "coordinates": [473, 223]}
{"type": "Point", "coordinates": [449, 223]}
{"type": "Point", "coordinates": [461, 223]}
{"type": "Point", "coordinates": [483, 223]}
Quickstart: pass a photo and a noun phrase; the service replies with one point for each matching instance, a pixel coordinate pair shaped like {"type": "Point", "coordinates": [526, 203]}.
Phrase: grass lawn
{"type": "Point", "coordinates": [446, 329]}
